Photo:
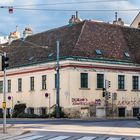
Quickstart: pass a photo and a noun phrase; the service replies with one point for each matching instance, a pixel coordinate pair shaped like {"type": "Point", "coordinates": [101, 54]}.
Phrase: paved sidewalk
{"type": "Point", "coordinates": [11, 132]}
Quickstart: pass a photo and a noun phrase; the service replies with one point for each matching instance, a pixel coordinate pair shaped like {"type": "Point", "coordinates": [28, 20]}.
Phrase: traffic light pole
{"type": "Point", "coordinates": [4, 103]}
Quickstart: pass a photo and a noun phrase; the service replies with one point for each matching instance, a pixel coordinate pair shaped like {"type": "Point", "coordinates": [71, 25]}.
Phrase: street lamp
{"type": "Point", "coordinates": [57, 83]}
{"type": "Point", "coordinates": [57, 75]}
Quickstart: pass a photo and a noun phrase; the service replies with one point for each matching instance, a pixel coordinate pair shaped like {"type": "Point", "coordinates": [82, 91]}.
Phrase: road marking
{"type": "Point", "coordinates": [31, 137]}
{"type": "Point", "coordinates": [59, 138]}
{"type": "Point", "coordinates": [112, 138]}
{"type": "Point", "coordinates": [87, 138]}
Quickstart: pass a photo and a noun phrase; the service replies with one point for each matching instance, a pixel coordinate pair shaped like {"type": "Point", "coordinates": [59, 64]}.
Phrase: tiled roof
{"type": "Point", "coordinates": [80, 40]}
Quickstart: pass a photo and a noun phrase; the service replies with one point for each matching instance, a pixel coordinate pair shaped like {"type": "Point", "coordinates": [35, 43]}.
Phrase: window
{"type": "Point", "coordinates": [100, 80]}
{"type": "Point", "coordinates": [31, 83]}
{"type": "Point", "coordinates": [19, 84]}
{"type": "Point", "coordinates": [9, 85]}
{"type": "Point", "coordinates": [84, 80]}
{"type": "Point", "coordinates": [126, 54]}
{"type": "Point", "coordinates": [31, 110]}
{"type": "Point", "coordinates": [139, 25]}
{"type": "Point", "coordinates": [43, 81]}
{"type": "Point", "coordinates": [55, 80]}
{"type": "Point", "coordinates": [120, 81]}
{"type": "Point", "coordinates": [42, 111]}
{"type": "Point", "coordinates": [1, 86]}
{"type": "Point", "coordinates": [135, 83]}
{"type": "Point", "coordinates": [98, 52]}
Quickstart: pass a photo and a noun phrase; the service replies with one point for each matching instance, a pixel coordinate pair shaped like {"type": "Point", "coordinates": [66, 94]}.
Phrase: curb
{"type": "Point", "coordinates": [138, 122]}
{"type": "Point", "coordinates": [25, 132]}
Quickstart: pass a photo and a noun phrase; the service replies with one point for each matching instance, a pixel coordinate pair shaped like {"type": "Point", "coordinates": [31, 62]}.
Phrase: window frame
{"type": "Point", "coordinates": [135, 82]}
{"type": "Point", "coordinates": [1, 86]}
{"type": "Point", "coordinates": [9, 86]}
{"type": "Point", "coordinates": [84, 80]}
{"type": "Point", "coordinates": [100, 80]}
{"type": "Point", "coordinates": [44, 85]}
{"type": "Point", "coordinates": [32, 83]}
{"type": "Point", "coordinates": [121, 82]}
{"type": "Point", "coordinates": [19, 84]}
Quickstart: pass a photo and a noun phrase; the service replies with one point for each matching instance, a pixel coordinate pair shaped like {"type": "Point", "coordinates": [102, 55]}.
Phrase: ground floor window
{"type": "Point", "coordinates": [135, 111]}
{"type": "Point", "coordinates": [121, 111]}
{"type": "Point", "coordinates": [42, 110]}
{"type": "Point", "coordinates": [31, 110]}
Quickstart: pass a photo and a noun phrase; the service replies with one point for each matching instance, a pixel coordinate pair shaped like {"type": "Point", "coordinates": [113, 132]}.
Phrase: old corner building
{"type": "Point", "coordinates": [91, 54]}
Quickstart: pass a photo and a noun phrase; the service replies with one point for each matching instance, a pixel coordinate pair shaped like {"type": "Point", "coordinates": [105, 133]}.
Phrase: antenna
{"type": "Point", "coordinates": [116, 16]}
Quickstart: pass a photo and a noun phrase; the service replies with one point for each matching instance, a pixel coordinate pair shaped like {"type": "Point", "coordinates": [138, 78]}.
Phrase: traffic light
{"type": "Point", "coordinates": [10, 9]}
{"type": "Point", "coordinates": [109, 84]}
{"type": "Point", "coordinates": [5, 63]}
{"type": "Point", "coordinates": [104, 92]}
{"type": "Point", "coordinates": [109, 95]}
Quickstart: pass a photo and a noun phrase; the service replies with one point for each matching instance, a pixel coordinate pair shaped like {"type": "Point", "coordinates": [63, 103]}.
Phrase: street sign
{"type": "Point", "coordinates": [3, 105]}
{"type": "Point", "coordinates": [9, 97]}
{"type": "Point", "coordinates": [46, 95]}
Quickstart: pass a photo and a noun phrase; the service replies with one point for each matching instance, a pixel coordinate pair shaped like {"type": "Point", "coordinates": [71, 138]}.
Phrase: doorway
{"type": "Point", "coordinates": [121, 112]}
{"type": "Point", "coordinates": [135, 111]}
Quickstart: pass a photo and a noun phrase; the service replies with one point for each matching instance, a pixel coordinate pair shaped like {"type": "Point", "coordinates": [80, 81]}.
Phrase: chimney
{"type": "Point", "coordinates": [116, 16]}
{"type": "Point", "coordinates": [118, 22]}
{"type": "Point", "coordinates": [16, 28]}
{"type": "Point", "coordinates": [76, 14]}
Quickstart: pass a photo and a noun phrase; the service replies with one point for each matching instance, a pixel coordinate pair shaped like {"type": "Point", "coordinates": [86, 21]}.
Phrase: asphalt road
{"type": "Point", "coordinates": [127, 129]}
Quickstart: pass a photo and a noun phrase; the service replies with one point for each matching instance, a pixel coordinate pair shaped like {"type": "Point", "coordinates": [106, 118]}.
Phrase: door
{"type": "Point", "coordinates": [135, 111]}
{"type": "Point", "coordinates": [121, 112]}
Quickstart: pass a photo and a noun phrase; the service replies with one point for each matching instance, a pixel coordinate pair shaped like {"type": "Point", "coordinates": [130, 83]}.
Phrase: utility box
{"type": "Point", "coordinates": [100, 112]}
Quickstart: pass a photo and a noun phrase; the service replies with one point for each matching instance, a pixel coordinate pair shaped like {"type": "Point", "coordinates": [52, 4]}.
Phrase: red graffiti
{"type": "Point", "coordinates": [81, 101]}
{"type": "Point", "coordinates": [131, 102]}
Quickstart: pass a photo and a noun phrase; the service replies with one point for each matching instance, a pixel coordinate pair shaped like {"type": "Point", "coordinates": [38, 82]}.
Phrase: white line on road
{"type": "Point", "coordinates": [112, 138]}
{"type": "Point", "coordinates": [87, 138]}
{"type": "Point", "coordinates": [59, 138]}
{"type": "Point", "coordinates": [32, 137]}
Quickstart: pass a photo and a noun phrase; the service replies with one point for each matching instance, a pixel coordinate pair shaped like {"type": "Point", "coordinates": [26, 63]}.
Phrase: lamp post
{"type": "Point", "coordinates": [4, 100]}
{"type": "Point", "coordinates": [57, 83]}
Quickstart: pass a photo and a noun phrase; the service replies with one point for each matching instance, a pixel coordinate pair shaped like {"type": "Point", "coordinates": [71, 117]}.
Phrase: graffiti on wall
{"type": "Point", "coordinates": [82, 101]}
{"type": "Point", "coordinates": [132, 102]}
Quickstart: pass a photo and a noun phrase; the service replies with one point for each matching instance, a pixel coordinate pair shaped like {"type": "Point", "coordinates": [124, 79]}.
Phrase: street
{"type": "Point", "coordinates": [77, 129]}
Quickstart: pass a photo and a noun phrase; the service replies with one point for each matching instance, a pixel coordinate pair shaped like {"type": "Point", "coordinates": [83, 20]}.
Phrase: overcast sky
{"type": "Point", "coordinates": [41, 21]}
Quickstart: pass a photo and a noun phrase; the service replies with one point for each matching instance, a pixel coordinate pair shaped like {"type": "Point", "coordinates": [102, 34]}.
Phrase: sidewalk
{"type": "Point", "coordinates": [11, 132]}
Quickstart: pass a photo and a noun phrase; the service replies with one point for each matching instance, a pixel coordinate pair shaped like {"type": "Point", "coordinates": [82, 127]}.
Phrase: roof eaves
{"type": "Point", "coordinates": [135, 18]}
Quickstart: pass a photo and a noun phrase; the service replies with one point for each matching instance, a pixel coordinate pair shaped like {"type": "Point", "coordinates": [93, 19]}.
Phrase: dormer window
{"type": "Point", "coordinates": [126, 54]}
{"type": "Point", "coordinates": [98, 52]}
{"type": "Point", "coordinates": [139, 25]}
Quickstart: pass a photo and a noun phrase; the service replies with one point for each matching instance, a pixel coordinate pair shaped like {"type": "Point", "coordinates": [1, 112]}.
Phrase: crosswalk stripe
{"type": "Point", "coordinates": [87, 138]}
{"type": "Point", "coordinates": [112, 138]}
{"type": "Point", "coordinates": [31, 137]}
{"type": "Point", "coordinates": [59, 138]}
